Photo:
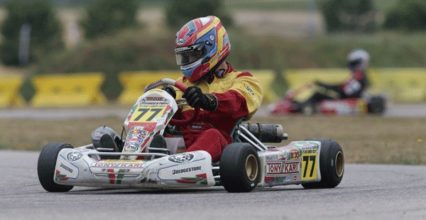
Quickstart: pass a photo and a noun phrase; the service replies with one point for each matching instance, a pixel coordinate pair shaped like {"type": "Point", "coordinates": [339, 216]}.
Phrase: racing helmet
{"type": "Point", "coordinates": [358, 59]}
{"type": "Point", "coordinates": [202, 44]}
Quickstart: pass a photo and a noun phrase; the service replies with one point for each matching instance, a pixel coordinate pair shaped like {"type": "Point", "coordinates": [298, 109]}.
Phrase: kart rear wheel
{"type": "Point", "coordinates": [239, 168]}
{"type": "Point", "coordinates": [46, 167]}
{"type": "Point", "coordinates": [332, 166]}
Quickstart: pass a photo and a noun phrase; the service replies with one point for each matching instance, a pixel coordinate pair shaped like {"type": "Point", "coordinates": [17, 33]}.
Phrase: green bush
{"type": "Point", "coordinates": [45, 34]}
{"type": "Point", "coordinates": [107, 16]}
{"type": "Point", "coordinates": [348, 15]}
{"type": "Point", "coordinates": [178, 12]}
{"type": "Point", "coordinates": [407, 15]}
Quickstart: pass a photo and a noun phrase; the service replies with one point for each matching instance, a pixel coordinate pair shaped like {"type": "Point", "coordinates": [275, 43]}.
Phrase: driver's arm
{"type": "Point", "coordinates": [242, 99]}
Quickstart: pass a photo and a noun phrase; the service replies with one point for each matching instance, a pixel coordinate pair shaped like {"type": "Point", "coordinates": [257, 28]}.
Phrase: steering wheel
{"type": "Point", "coordinates": [181, 87]}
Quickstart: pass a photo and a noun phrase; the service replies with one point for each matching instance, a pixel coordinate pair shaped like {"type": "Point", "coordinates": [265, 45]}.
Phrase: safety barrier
{"type": "Point", "coordinates": [400, 84]}
{"type": "Point", "coordinates": [299, 77]}
{"type": "Point", "coordinates": [66, 90]}
{"type": "Point", "coordinates": [10, 86]}
{"type": "Point", "coordinates": [135, 82]}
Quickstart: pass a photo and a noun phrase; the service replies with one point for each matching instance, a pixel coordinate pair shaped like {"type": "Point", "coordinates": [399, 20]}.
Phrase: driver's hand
{"type": "Point", "coordinates": [170, 90]}
{"type": "Point", "coordinates": [196, 98]}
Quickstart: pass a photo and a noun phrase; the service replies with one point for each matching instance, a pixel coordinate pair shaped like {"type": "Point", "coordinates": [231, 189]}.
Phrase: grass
{"type": "Point", "coordinates": [364, 139]}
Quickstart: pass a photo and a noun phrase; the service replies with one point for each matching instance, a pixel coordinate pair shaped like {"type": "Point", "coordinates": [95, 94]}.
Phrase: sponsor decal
{"type": "Point", "coordinates": [153, 104]}
{"type": "Point", "coordinates": [199, 179]}
{"type": "Point", "coordinates": [73, 156]}
{"type": "Point", "coordinates": [148, 126]}
{"type": "Point", "coordinates": [116, 178]}
{"type": "Point", "coordinates": [271, 180]}
{"type": "Point", "coordinates": [65, 167]}
{"type": "Point", "coordinates": [137, 131]}
{"type": "Point", "coordinates": [307, 147]}
{"type": "Point", "coordinates": [309, 150]}
{"type": "Point", "coordinates": [135, 138]}
{"type": "Point", "coordinates": [59, 176]}
{"type": "Point", "coordinates": [282, 167]}
{"type": "Point", "coordinates": [294, 154]}
{"type": "Point", "coordinates": [154, 99]}
{"type": "Point", "coordinates": [186, 170]}
{"type": "Point", "coordinates": [249, 89]}
{"type": "Point", "coordinates": [131, 147]}
{"type": "Point", "coordinates": [272, 157]}
{"type": "Point", "coordinates": [181, 158]}
{"type": "Point", "coordinates": [169, 113]}
{"type": "Point", "coordinates": [118, 164]}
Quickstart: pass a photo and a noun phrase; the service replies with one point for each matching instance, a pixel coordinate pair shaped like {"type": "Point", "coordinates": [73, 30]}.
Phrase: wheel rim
{"type": "Point", "coordinates": [340, 164]}
{"type": "Point", "coordinates": [252, 167]}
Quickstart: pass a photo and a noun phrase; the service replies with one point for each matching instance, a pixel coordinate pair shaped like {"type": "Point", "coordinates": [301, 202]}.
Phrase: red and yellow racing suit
{"type": "Point", "coordinates": [238, 95]}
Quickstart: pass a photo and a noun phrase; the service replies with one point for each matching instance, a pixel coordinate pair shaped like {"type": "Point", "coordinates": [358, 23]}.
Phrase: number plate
{"type": "Point", "coordinates": [310, 166]}
{"type": "Point", "coordinates": [147, 114]}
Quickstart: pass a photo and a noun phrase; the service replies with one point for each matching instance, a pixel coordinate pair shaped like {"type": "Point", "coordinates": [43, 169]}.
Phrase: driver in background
{"type": "Point", "coordinates": [223, 94]}
{"type": "Point", "coordinates": [353, 87]}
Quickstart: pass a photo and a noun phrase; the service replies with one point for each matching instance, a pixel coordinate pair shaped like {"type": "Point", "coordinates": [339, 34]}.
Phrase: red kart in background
{"type": "Point", "coordinates": [291, 103]}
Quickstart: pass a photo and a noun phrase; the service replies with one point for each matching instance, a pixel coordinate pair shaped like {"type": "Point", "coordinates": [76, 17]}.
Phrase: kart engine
{"type": "Point", "coordinates": [269, 133]}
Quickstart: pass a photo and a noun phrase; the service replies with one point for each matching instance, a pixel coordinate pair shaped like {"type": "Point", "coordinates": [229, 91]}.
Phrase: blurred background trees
{"type": "Point", "coordinates": [353, 15]}
{"type": "Point", "coordinates": [407, 15]}
{"type": "Point", "coordinates": [104, 17]}
{"type": "Point", "coordinates": [43, 30]}
{"type": "Point", "coordinates": [178, 12]}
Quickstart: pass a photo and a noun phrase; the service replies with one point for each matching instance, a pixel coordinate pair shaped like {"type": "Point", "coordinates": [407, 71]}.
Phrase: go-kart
{"type": "Point", "coordinates": [145, 162]}
{"type": "Point", "coordinates": [291, 103]}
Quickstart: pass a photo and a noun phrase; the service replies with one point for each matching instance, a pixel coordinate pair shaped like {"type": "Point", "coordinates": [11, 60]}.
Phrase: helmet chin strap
{"type": "Point", "coordinates": [215, 71]}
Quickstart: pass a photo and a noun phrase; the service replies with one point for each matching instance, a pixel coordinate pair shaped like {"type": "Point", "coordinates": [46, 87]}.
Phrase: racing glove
{"type": "Point", "coordinates": [196, 98]}
{"type": "Point", "coordinates": [170, 90]}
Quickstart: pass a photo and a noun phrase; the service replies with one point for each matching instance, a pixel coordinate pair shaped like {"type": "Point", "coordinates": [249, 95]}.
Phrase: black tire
{"type": "Point", "coordinates": [239, 168]}
{"type": "Point", "coordinates": [46, 167]}
{"type": "Point", "coordinates": [376, 105]}
{"type": "Point", "coordinates": [332, 166]}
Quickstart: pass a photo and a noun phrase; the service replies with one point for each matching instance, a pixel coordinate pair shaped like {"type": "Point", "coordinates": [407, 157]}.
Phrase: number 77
{"type": "Point", "coordinates": [306, 160]}
{"type": "Point", "coordinates": [145, 110]}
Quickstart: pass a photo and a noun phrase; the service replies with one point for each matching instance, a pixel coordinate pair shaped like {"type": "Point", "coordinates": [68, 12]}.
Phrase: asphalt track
{"type": "Point", "coordinates": [366, 192]}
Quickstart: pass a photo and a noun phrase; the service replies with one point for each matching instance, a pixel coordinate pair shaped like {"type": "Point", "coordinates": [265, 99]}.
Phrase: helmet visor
{"type": "Point", "coordinates": [188, 55]}
{"type": "Point", "coordinates": [353, 64]}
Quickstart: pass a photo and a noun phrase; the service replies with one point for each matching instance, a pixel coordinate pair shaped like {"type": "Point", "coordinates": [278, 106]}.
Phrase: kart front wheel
{"type": "Point", "coordinates": [376, 105]}
{"type": "Point", "coordinates": [332, 166]}
{"type": "Point", "coordinates": [46, 167]}
{"type": "Point", "coordinates": [239, 168]}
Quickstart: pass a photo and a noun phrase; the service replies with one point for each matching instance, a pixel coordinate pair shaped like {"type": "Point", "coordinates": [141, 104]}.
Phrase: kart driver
{"type": "Point", "coordinates": [353, 87]}
{"type": "Point", "coordinates": [223, 94]}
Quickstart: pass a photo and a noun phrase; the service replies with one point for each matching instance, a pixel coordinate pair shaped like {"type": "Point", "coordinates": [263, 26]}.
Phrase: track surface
{"type": "Point", "coordinates": [394, 110]}
{"type": "Point", "coordinates": [366, 192]}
